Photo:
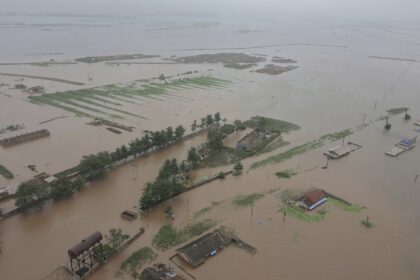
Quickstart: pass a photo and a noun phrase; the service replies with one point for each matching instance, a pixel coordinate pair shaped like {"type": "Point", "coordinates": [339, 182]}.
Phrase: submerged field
{"type": "Point", "coordinates": [110, 101]}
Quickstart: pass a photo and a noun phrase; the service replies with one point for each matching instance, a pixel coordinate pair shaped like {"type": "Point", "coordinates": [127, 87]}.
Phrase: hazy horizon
{"type": "Point", "coordinates": [406, 10]}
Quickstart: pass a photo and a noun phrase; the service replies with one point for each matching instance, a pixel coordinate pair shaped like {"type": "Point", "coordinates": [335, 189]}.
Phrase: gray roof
{"type": "Point", "coordinates": [196, 252]}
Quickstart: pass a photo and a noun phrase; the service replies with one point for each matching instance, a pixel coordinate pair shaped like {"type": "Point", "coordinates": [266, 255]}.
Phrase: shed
{"type": "Point", "coordinates": [196, 252]}
{"type": "Point", "coordinates": [129, 215]}
{"type": "Point", "coordinates": [313, 199]}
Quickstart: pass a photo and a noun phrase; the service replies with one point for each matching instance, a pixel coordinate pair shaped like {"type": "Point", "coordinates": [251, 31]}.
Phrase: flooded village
{"type": "Point", "coordinates": [210, 150]}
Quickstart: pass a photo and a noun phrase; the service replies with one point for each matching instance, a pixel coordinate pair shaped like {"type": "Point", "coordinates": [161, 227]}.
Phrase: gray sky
{"type": "Point", "coordinates": [347, 9]}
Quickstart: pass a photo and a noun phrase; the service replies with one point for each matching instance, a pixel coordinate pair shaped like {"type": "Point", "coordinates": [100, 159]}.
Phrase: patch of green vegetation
{"type": "Point", "coordinates": [337, 135]}
{"type": "Point", "coordinates": [277, 143]}
{"type": "Point", "coordinates": [247, 200]}
{"type": "Point", "coordinates": [288, 154]}
{"type": "Point", "coordinates": [98, 97]}
{"type": "Point", "coordinates": [138, 259]}
{"type": "Point", "coordinates": [271, 124]}
{"type": "Point", "coordinates": [396, 111]}
{"type": "Point", "coordinates": [168, 236]}
{"type": "Point", "coordinates": [305, 216]}
{"type": "Point", "coordinates": [224, 156]}
{"type": "Point", "coordinates": [106, 251]}
{"type": "Point", "coordinates": [239, 66]}
{"type": "Point", "coordinates": [202, 212]}
{"type": "Point", "coordinates": [367, 223]}
{"type": "Point", "coordinates": [302, 148]}
{"type": "Point", "coordinates": [6, 173]}
{"type": "Point", "coordinates": [351, 208]}
{"type": "Point", "coordinates": [286, 173]}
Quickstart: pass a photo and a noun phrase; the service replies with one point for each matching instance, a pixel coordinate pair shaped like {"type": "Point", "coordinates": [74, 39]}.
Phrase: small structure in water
{"type": "Point", "coordinates": [312, 199]}
{"type": "Point", "coordinates": [24, 137]}
{"type": "Point", "coordinates": [408, 143]}
{"type": "Point", "coordinates": [387, 124]}
{"type": "Point", "coordinates": [129, 215]}
{"type": "Point", "coordinates": [404, 145]}
{"type": "Point", "coordinates": [116, 131]}
{"type": "Point", "coordinates": [338, 152]}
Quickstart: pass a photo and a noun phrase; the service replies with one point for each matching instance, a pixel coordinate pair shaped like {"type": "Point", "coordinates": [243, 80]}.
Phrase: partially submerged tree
{"type": "Point", "coordinates": [215, 139]}
{"type": "Point", "coordinates": [31, 195]}
{"type": "Point", "coordinates": [217, 117]}
{"type": "Point", "coordinates": [194, 126]}
{"type": "Point", "coordinates": [116, 238]}
{"type": "Point", "coordinates": [61, 188]}
{"type": "Point", "coordinates": [237, 168]}
{"type": "Point", "coordinates": [179, 132]}
{"type": "Point", "coordinates": [193, 157]}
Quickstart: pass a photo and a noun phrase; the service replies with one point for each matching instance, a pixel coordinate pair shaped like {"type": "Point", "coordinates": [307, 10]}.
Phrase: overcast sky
{"type": "Point", "coordinates": [346, 9]}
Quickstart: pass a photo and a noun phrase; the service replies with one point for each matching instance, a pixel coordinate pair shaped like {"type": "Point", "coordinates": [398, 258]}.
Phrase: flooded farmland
{"type": "Point", "coordinates": [347, 76]}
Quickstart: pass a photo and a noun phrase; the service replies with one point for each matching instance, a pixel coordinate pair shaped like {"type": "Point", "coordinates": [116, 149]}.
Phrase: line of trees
{"type": "Point", "coordinates": [207, 121]}
{"type": "Point", "coordinates": [172, 180]}
{"type": "Point", "coordinates": [94, 166]}
{"type": "Point", "coordinates": [33, 194]}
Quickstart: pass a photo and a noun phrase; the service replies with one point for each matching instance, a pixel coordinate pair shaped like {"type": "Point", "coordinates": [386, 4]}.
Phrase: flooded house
{"type": "Point", "coordinates": [338, 152]}
{"type": "Point", "coordinates": [312, 199]}
{"type": "Point", "coordinates": [408, 143]}
{"type": "Point", "coordinates": [196, 252]}
{"type": "Point", "coordinates": [403, 146]}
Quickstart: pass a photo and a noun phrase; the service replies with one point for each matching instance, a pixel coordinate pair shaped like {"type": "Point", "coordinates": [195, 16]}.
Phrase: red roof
{"type": "Point", "coordinates": [313, 197]}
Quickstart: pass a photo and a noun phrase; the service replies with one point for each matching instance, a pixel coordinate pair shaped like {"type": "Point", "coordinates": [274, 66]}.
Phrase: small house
{"type": "Point", "coordinates": [312, 199]}
{"type": "Point", "coordinates": [338, 152]}
{"type": "Point", "coordinates": [408, 143]}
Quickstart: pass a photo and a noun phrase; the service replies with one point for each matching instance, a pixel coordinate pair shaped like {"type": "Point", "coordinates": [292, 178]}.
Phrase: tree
{"type": "Point", "coordinates": [61, 188]}
{"type": "Point", "coordinates": [179, 132]}
{"type": "Point", "coordinates": [78, 184]}
{"type": "Point", "coordinates": [93, 166]}
{"type": "Point", "coordinates": [193, 157]}
{"type": "Point", "coordinates": [170, 134]}
{"type": "Point", "coordinates": [217, 117]}
{"type": "Point", "coordinates": [31, 195]}
{"type": "Point", "coordinates": [238, 168]}
{"type": "Point", "coordinates": [227, 129]}
{"type": "Point", "coordinates": [215, 139]}
{"type": "Point", "coordinates": [203, 122]}
{"type": "Point", "coordinates": [194, 126]}
{"type": "Point", "coordinates": [238, 124]}
{"type": "Point", "coordinates": [116, 238]}
{"type": "Point", "coordinates": [169, 213]}
{"type": "Point", "coordinates": [209, 120]}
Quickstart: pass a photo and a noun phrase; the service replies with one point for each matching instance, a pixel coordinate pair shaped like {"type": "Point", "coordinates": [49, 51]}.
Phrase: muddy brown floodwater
{"type": "Point", "coordinates": [334, 88]}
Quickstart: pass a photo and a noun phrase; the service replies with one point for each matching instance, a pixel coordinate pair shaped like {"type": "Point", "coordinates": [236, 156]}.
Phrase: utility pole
{"type": "Point", "coordinates": [252, 212]}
